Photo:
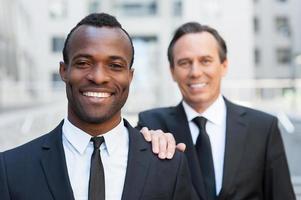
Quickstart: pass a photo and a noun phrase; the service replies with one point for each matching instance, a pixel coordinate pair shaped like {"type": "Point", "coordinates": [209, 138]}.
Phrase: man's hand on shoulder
{"type": "Point", "coordinates": [163, 144]}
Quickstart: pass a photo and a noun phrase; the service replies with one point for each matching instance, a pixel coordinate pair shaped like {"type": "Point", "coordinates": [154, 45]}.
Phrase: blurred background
{"type": "Point", "coordinates": [263, 38]}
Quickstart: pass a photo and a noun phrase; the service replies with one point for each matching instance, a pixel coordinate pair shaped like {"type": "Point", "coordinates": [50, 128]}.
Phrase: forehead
{"type": "Point", "coordinates": [201, 43]}
{"type": "Point", "coordinates": [99, 40]}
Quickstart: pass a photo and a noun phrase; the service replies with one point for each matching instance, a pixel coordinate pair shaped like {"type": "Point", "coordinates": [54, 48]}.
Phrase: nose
{"type": "Point", "coordinates": [98, 74]}
{"type": "Point", "coordinates": [196, 70]}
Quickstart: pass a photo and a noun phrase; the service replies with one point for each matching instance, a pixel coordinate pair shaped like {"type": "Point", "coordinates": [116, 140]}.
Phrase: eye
{"type": "Point", "coordinates": [184, 63]}
{"type": "Point", "coordinates": [116, 66]}
{"type": "Point", "coordinates": [206, 61]}
{"type": "Point", "coordinates": [82, 64]}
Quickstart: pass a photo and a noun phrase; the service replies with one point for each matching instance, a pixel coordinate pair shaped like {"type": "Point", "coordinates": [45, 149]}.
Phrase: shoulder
{"type": "Point", "coordinates": [155, 118]}
{"type": "Point", "coordinates": [250, 113]}
{"type": "Point", "coordinates": [32, 148]}
{"type": "Point", "coordinates": [157, 111]}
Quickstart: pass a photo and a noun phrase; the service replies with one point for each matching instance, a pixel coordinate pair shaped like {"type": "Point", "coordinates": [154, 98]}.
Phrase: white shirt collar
{"type": "Point", "coordinates": [80, 139]}
{"type": "Point", "coordinates": [215, 113]}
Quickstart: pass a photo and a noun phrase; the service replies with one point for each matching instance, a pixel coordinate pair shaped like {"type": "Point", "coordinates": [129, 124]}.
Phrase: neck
{"type": "Point", "coordinates": [95, 129]}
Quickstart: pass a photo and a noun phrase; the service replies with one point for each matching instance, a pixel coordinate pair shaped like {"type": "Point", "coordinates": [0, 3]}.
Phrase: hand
{"type": "Point", "coordinates": [163, 144]}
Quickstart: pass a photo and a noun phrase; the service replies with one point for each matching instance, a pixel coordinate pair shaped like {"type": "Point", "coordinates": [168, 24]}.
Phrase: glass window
{"type": "Point", "coordinates": [177, 8]}
{"type": "Point", "coordinates": [283, 55]}
{"type": "Point", "coordinates": [257, 56]}
{"type": "Point", "coordinates": [145, 59]}
{"type": "Point", "coordinates": [283, 26]}
{"type": "Point", "coordinates": [94, 6]}
{"type": "Point", "coordinates": [57, 82]}
{"type": "Point", "coordinates": [137, 8]}
{"type": "Point", "coordinates": [57, 9]}
{"type": "Point", "coordinates": [57, 43]}
{"type": "Point", "coordinates": [256, 24]}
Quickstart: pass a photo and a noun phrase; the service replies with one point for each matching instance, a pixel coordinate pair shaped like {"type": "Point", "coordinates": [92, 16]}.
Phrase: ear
{"type": "Point", "coordinates": [224, 66]}
{"type": "Point", "coordinates": [172, 71]}
{"type": "Point", "coordinates": [63, 71]}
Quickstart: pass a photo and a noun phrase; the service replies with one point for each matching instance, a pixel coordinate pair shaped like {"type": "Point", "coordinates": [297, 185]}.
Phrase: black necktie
{"type": "Point", "coordinates": [97, 179]}
{"type": "Point", "coordinates": [203, 148]}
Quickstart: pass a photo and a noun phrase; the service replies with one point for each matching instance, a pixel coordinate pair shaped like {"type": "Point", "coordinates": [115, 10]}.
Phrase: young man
{"type": "Point", "coordinates": [93, 153]}
{"type": "Point", "coordinates": [233, 152]}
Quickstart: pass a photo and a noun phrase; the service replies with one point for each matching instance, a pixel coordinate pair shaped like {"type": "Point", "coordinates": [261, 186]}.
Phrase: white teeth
{"type": "Point", "coordinates": [97, 94]}
{"type": "Point", "coordinates": [198, 85]}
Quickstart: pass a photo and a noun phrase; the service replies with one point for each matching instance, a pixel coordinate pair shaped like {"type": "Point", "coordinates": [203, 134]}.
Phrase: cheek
{"type": "Point", "coordinates": [74, 77]}
{"type": "Point", "coordinates": [180, 77]}
{"type": "Point", "coordinates": [122, 82]}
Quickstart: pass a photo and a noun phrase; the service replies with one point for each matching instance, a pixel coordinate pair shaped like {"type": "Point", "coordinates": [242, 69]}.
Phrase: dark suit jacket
{"type": "Point", "coordinates": [37, 171]}
{"type": "Point", "coordinates": [255, 165]}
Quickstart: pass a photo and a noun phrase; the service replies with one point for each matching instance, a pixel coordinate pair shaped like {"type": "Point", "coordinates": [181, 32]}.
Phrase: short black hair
{"type": "Point", "coordinates": [96, 20]}
{"type": "Point", "coordinates": [195, 27]}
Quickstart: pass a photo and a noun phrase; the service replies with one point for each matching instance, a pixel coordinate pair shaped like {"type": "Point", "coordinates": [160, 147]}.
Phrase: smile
{"type": "Point", "coordinates": [97, 94]}
{"type": "Point", "coordinates": [197, 85]}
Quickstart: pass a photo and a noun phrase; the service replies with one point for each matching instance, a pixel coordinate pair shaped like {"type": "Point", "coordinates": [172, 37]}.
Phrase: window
{"type": "Point", "coordinates": [57, 82]}
{"type": "Point", "coordinates": [146, 54]}
{"type": "Point", "coordinates": [94, 6]}
{"type": "Point", "coordinates": [137, 7]}
{"type": "Point", "coordinates": [283, 55]}
{"type": "Point", "coordinates": [257, 56]}
{"type": "Point", "coordinates": [282, 26]}
{"type": "Point", "coordinates": [57, 44]}
{"type": "Point", "coordinates": [256, 24]}
{"type": "Point", "coordinates": [177, 8]}
{"type": "Point", "coordinates": [57, 9]}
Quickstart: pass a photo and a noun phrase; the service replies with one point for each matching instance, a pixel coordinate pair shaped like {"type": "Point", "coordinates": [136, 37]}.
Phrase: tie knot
{"type": "Point", "coordinates": [200, 122]}
{"type": "Point", "coordinates": [97, 141]}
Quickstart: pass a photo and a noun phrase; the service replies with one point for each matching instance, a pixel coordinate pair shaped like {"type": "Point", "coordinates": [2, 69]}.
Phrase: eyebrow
{"type": "Point", "coordinates": [183, 59]}
{"type": "Point", "coordinates": [110, 57]}
{"type": "Point", "coordinates": [118, 58]}
{"type": "Point", "coordinates": [82, 55]}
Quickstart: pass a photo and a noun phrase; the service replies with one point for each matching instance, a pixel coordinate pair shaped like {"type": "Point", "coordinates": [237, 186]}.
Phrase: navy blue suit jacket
{"type": "Point", "coordinates": [255, 165]}
{"type": "Point", "coordinates": [37, 171]}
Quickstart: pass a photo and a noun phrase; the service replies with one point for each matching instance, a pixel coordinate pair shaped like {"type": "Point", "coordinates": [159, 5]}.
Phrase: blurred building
{"type": "Point", "coordinates": [277, 45]}
{"type": "Point", "coordinates": [32, 35]}
{"type": "Point", "coordinates": [17, 62]}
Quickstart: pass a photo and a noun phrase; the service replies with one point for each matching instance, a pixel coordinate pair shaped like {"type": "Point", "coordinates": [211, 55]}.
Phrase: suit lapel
{"type": "Point", "coordinates": [137, 167]}
{"type": "Point", "coordinates": [54, 165]}
{"type": "Point", "coordinates": [236, 129]}
{"type": "Point", "coordinates": [178, 125]}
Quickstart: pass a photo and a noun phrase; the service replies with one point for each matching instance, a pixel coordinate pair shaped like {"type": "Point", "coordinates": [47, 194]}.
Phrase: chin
{"type": "Point", "coordinates": [94, 119]}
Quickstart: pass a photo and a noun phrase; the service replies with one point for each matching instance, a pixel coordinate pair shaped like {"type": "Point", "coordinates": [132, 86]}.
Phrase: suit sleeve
{"type": "Point", "coordinates": [4, 191]}
{"type": "Point", "coordinates": [140, 123]}
{"type": "Point", "coordinates": [152, 120]}
{"type": "Point", "coordinates": [278, 184]}
{"type": "Point", "coordinates": [183, 187]}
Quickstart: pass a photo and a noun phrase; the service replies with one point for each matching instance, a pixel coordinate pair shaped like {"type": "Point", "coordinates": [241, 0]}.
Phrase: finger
{"type": "Point", "coordinates": [155, 142]}
{"type": "Point", "coordinates": [171, 145]}
{"type": "Point", "coordinates": [162, 145]}
{"type": "Point", "coordinates": [181, 147]}
{"type": "Point", "coordinates": [146, 134]}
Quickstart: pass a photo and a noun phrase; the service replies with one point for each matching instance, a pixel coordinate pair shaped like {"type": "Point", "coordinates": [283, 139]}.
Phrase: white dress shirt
{"type": "Point", "coordinates": [114, 155]}
{"type": "Point", "coordinates": [216, 129]}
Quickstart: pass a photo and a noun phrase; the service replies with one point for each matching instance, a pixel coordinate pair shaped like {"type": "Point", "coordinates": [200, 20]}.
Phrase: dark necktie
{"type": "Point", "coordinates": [97, 179]}
{"type": "Point", "coordinates": [203, 149]}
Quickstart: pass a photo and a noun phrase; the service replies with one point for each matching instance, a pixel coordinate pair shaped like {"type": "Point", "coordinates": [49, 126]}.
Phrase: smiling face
{"type": "Point", "coordinates": [197, 69]}
{"type": "Point", "coordinates": [97, 77]}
